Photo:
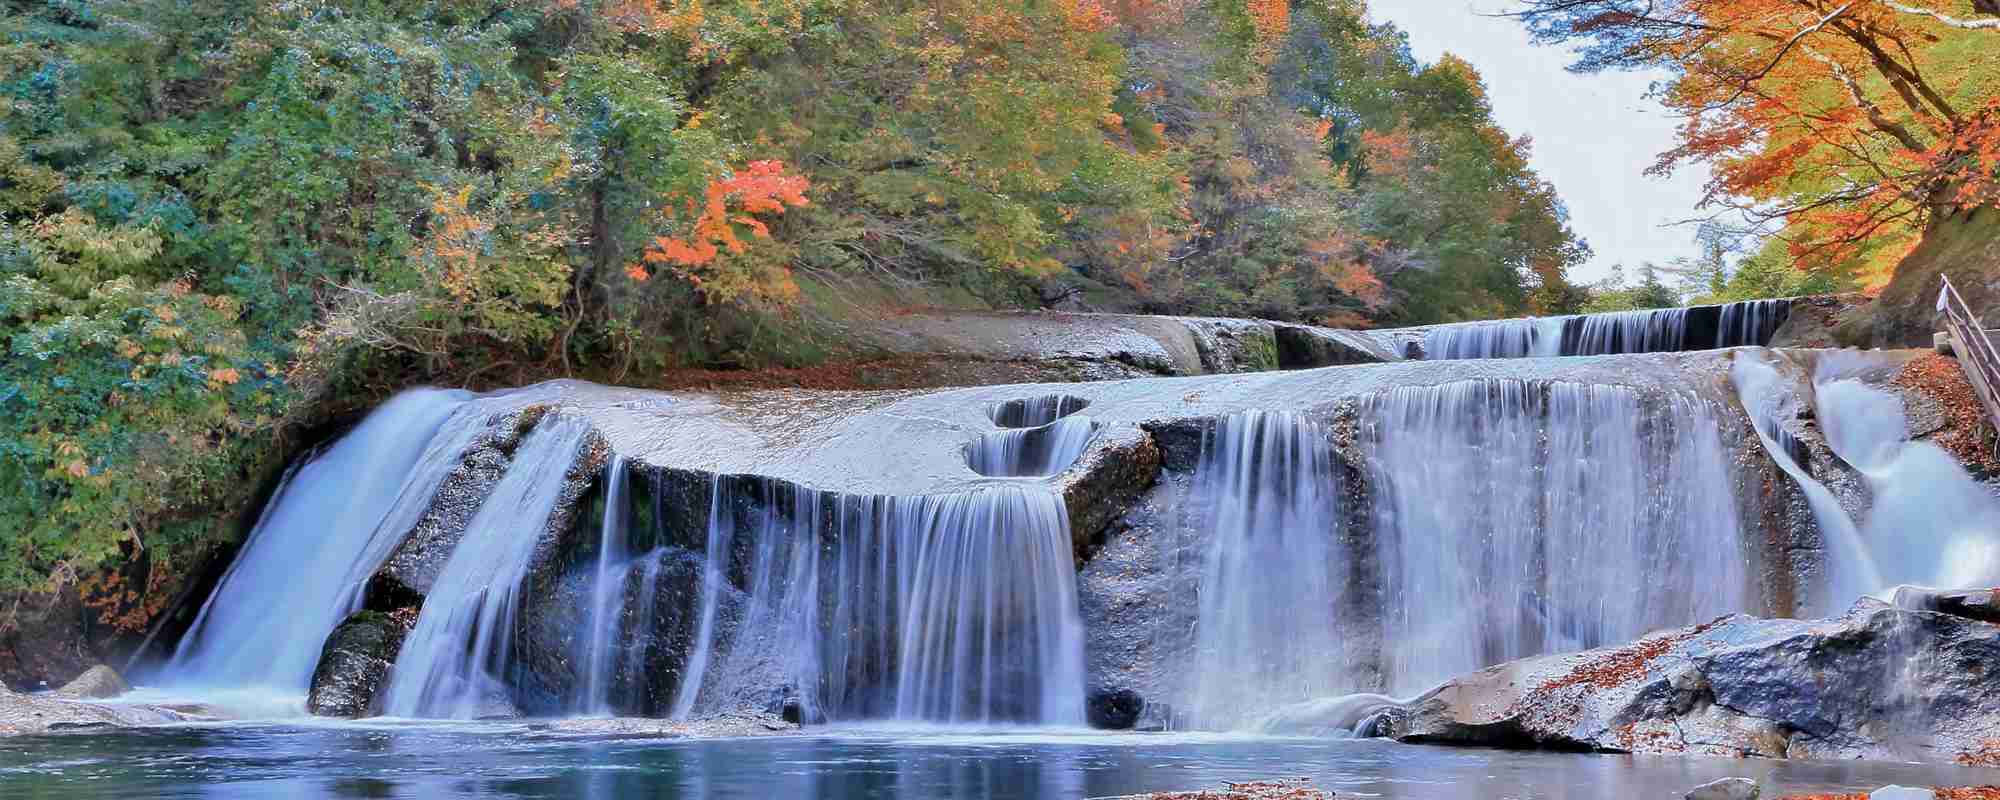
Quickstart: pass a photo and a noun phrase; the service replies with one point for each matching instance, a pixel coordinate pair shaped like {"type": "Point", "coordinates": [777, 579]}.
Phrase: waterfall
{"type": "Point", "coordinates": [452, 663]}
{"type": "Point", "coordinates": [329, 525]}
{"type": "Point", "coordinates": [1751, 322]}
{"type": "Point", "coordinates": [1031, 452]}
{"type": "Point", "coordinates": [952, 608]}
{"type": "Point", "coordinates": [1655, 330]}
{"type": "Point", "coordinates": [607, 593]}
{"type": "Point", "coordinates": [1515, 518]}
{"type": "Point", "coordinates": [1034, 412]}
{"type": "Point", "coordinates": [1647, 331]}
{"type": "Point", "coordinates": [1507, 338]}
{"type": "Point", "coordinates": [1928, 523]}
{"type": "Point", "coordinates": [1266, 634]}
{"type": "Point", "coordinates": [1763, 391]}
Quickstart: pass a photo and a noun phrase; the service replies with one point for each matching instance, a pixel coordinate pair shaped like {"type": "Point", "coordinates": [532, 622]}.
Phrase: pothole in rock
{"type": "Point", "coordinates": [1031, 452]}
{"type": "Point", "coordinates": [1034, 412]}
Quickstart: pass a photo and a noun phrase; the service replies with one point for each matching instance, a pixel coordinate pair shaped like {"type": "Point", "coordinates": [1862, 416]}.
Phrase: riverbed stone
{"type": "Point", "coordinates": [1877, 683]}
{"type": "Point", "coordinates": [354, 665]}
{"type": "Point", "coordinates": [1902, 793]}
{"type": "Point", "coordinates": [98, 682]}
{"type": "Point", "coordinates": [26, 714]}
{"type": "Point", "coordinates": [1726, 789]}
{"type": "Point", "coordinates": [735, 724]}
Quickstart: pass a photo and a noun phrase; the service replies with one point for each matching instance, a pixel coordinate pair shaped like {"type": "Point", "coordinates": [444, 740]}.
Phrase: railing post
{"type": "Point", "coordinates": [1977, 357]}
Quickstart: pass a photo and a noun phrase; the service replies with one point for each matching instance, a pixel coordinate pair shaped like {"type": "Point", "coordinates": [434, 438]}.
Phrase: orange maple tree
{"type": "Point", "coordinates": [717, 227]}
{"type": "Point", "coordinates": [1849, 124]}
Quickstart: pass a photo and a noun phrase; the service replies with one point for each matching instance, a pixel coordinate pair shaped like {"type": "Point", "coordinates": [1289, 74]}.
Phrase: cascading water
{"type": "Point", "coordinates": [607, 593]}
{"type": "Point", "coordinates": [452, 663]}
{"type": "Point", "coordinates": [1034, 412]}
{"type": "Point", "coordinates": [1031, 452]}
{"type": "Point", "coordinates": [1515, 518]}
{"type": "Point", "coordinates": [1751, 322]}
{"type": "Point", "coordinates": [951, 608]}
{"type": "Point", "coordinates": [1507, 338]}
{"type": "Point", "coordinates": [1266, 634]}
{"type": "Point", "coordinates": [325, 530]}
{"type": "Point", "coordinates": [1746, 323]}
{"type": "Point", "coordinates": [1928, 523]}
{"type": "Point", "coordinates": [1648, 331]}
{"type": "Point", "coordinates": [1762, 391]}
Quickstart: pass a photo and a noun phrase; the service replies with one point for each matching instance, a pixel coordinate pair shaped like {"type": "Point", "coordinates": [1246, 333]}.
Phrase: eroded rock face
{"type": "Point", "coordinates": [355, 664]}
{"type": "Point", "coordinates": [1876, 683]}
{"type": "Point", "coordinates": [657, 630]}
{"type": "Point", "coordinates": [414, 566]}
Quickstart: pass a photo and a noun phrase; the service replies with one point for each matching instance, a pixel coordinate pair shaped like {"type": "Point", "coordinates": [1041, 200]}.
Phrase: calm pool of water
{"type": "Point", "coordinates": [497, 760]}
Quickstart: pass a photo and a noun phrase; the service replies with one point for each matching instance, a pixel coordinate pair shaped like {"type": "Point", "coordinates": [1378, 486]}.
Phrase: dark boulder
{"type": "Point", "coordinates": [354, 665]}
{"type": "Point", "coordinates": [1114, 709]}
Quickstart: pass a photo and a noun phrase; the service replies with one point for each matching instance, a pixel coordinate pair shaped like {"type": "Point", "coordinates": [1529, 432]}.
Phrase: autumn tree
{"type": "Point", "coordinates": [1846, 126]}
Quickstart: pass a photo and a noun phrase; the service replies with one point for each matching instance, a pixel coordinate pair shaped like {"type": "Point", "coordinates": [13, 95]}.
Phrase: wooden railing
{"type": "Point", "coordinates": [1976, 354]}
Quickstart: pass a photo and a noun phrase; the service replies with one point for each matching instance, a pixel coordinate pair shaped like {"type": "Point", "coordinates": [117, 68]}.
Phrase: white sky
{"type": "Point", "coordinates": [1594, 134]}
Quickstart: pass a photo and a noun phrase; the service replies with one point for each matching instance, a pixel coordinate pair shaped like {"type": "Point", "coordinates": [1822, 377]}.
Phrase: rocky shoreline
{"type": "Point", "coordinates": [1880, 682]}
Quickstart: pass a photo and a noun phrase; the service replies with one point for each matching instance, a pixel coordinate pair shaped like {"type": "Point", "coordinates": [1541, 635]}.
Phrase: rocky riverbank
{"type": "Point", "coordinates": [1879, 682]}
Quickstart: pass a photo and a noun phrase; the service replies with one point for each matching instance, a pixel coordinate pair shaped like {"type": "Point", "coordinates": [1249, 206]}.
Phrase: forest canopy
{"type": "Point", "coordinates": [220, 218]}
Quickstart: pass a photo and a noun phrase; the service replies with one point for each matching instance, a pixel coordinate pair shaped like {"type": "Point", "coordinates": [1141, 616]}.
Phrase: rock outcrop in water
{"type": "Point", "coordinates": [97, 683]}
{"type": "Point", "coordinates": [25, 714]}
{"type": "Point", "coordinates": [354, 665]}
{"type": "Point", "coordinates": [1877, 682]}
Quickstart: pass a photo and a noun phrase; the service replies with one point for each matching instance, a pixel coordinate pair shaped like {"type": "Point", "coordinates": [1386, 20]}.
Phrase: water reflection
{"type": "Point", "coordinates": [521, 762]}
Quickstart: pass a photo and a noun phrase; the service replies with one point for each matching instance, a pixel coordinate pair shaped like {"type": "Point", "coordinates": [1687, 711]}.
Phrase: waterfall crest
{"type": "Point", "coordinates": [1657, 330]}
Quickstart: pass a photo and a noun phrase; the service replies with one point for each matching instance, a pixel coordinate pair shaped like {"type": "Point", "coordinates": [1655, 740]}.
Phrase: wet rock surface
{"type": "Point", "coordinates": [719, 726]}
{"type": "Point", "coordinates": [1073, 346]}
{"type": "Point", "coordinates": [657, 629]}
{"type": "Point", "coordinates": [355, 664]}
{"type": "Point", "coordinates": [1977, 604]}
{"type": "Point", "coordinates": [25, 714]}
{"type": "Point", "coordinates": [1137, 596]}
{"type": "Point", "coordinates": [414, 566]}
{"type": "Point", "coordinates": [1726, 789]}
{"type": "Point", "coordinates": [1875, 683]}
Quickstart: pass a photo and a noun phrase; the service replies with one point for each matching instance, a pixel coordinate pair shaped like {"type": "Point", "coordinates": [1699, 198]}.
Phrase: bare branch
{"type": "Point", "coordinates": [1969, 24]}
